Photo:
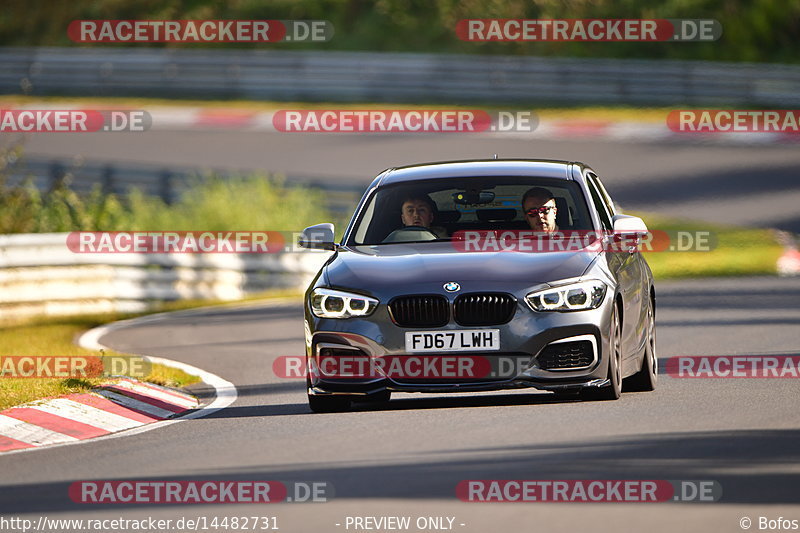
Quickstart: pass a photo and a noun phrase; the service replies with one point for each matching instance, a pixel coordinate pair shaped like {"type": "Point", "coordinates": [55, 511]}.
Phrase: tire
{"type": "Point", "coordinates": [613, 390]}
{"type": "Point", "coordinates": [645, 380]}
{"type": "Point", "coordinates": [324, 403]}
{"type": "Point", "coordinates": [328, 404]}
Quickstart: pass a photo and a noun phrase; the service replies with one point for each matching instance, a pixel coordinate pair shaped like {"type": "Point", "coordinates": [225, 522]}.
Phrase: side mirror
{"type": "Point", "coordinates": [626, 224]}
{"type": "Point", "coordinates": [318, 237]}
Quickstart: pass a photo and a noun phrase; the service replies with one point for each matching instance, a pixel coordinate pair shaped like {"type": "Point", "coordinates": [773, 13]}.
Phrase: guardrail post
{"type": "Point", "coordinates": [166, 186]}
{"type": "Point", "coordinates": [108, 180]}
{"type": "Point", "coordinates": [57, 176]}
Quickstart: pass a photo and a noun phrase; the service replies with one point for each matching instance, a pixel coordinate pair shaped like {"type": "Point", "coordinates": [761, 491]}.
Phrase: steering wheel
{"type": "Point", "coordinates": [411, 233]}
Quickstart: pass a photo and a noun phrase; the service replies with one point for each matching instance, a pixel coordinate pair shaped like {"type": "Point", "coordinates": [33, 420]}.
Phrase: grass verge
{"type": "Point", "coordinates": [56, 336]}
{"type": "Point", "coordinates": [738, 251]}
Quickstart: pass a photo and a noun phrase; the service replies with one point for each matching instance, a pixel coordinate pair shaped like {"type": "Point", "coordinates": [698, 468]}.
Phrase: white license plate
{"type": "Point", "coordinates": [457, 340]}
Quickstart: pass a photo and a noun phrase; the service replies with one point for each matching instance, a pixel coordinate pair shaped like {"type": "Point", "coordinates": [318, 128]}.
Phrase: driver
{"type": "Point", "coordinates": [417, 211]}
{"type": "Point", "coordinates": [420, 211]}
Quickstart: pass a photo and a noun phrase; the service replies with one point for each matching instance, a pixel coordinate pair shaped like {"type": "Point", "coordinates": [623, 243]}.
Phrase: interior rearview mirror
{"type": "Point", "coordinates": [472, 197]}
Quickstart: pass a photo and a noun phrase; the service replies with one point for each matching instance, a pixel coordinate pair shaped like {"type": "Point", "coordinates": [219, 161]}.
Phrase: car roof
{"type": "Point", "coordinates": [543, 168]}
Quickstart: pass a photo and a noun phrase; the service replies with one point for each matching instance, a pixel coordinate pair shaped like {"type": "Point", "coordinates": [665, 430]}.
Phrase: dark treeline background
{"type": "Point", "coordinates": [753, 30]}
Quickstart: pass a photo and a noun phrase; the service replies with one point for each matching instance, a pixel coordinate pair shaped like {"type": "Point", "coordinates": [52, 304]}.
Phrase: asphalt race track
{"type": "Point", "coordinates": [406, 458]}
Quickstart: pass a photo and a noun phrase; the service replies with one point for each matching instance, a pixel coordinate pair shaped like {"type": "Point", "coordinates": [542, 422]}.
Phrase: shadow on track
{"type": "Point", "coordinates": [753, 467]}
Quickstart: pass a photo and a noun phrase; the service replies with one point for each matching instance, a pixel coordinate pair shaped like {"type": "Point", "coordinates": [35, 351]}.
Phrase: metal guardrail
{"type": "Point", "coordinates": [391, 77]}
{"type": "Point", "coordinates": [39, 275]}
{"type": "Point", "coordinates": [164, 182]}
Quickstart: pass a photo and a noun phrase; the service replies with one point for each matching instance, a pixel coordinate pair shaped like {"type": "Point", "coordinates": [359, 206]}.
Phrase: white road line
{"type": "Point", "coordinates": [185, 401]}
{"type": "Point", "coordinates": [30, 433]}
{"type": "Point", "coordinates": [127, 401]}
{"type": "Point", "coordinates": [86, 414]}
{"type": "Point", "coordinates": [225, 391]}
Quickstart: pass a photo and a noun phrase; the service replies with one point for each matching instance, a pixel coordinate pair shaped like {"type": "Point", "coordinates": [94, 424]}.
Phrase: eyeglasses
{"type": "Point", "coordinates": [539, 211]}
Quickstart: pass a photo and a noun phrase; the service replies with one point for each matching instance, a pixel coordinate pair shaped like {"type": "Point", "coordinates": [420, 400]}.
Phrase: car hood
{"type": "Point", "coordinates": [426, 266]}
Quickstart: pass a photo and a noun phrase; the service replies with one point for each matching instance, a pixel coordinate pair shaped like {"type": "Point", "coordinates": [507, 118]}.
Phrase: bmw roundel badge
{"type": "Point", "coordinates": [452, 286]}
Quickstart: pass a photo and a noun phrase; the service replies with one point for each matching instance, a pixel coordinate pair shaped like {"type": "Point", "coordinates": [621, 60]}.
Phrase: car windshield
{"type": "Point", "coordinates": [436, 210]}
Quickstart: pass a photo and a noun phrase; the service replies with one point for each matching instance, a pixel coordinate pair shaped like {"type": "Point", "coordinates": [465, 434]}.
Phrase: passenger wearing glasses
{"type": "Point", "coordinates": [539, 207]}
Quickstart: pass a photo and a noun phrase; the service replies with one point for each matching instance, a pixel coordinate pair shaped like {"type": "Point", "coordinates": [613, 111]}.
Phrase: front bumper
{"type": "Point", "coordinates": [524, 339]}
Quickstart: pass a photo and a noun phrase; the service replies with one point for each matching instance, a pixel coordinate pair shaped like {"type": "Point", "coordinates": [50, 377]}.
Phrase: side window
{"type": "Point", "coordinates": [609, 203]}
{"type": "Point", "coordinates": [599, 203]}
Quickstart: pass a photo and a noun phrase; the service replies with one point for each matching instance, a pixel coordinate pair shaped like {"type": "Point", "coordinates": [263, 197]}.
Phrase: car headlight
{"type": "Point", "coordinates": [328, 303]}
{"type": "Point", "coordinates": [571, 297]}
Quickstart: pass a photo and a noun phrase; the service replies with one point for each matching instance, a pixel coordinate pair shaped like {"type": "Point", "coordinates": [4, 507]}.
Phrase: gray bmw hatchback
{"type": "Point", "coordinates": [476, 276]}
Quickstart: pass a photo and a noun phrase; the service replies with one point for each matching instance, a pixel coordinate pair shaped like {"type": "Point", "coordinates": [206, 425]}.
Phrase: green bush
{"type": "Point", "coordinates": [232, 203]}
{"type": "Point", "coordinates": [214, 203]}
